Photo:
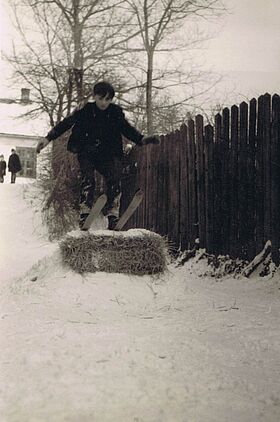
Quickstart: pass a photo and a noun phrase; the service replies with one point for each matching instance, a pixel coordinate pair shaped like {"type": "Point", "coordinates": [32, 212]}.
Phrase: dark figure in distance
{"type": "Point", "coordinates": [3, 166]}
{"type": "Point", "coordinates": [14, 165]}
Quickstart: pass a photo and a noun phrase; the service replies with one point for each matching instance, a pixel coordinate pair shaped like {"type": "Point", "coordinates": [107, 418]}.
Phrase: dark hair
{"type": "Point", "coordinates": [103, 89]}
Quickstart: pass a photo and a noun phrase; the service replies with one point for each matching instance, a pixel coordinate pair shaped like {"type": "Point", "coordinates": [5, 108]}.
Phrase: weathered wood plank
{"type": "Point", "coordinates": [225, 209]}
{"type": "Point", "coordinates": [209, 185]}
{"type": "Point", "coordinates": [217, 181]}
{"type": "Point", "coordinates": [267, 166]}
{"type": "Point", "coordinates": [251, 172]}
{"type": "Point", "coordinates": [260, 240]}
{"type": "Point", "coordinates": [200, 178]}
{"type": "Point", "coordinates": [184, 193]}
{"type": "Point", "coordinates": [192, 177]}
{"type": "Point", "coordinates": [243, 180]}
{"type": "Point", "coordinates": [275, 179]}
{"type": "Point", "coordinates": [233, 182]}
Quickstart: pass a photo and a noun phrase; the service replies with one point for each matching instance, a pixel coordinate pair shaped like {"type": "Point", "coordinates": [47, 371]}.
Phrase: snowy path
{"type": "Point", "coordinates": [104, 348]}
{"type": "Point", "coordinates": [23, 239]}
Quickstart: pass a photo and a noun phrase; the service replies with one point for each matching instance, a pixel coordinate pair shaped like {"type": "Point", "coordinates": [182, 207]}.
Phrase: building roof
{"type": "Point", "coordinates": [13, 121]}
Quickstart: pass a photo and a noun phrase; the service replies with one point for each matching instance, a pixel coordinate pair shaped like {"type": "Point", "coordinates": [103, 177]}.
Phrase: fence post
{"type": "Point", "coordinates": [162, 188]}
{"type": "Point", "coordinates": [174, 189]}
{"type": "Point", "coordinates": [152, 186]}
{"type": "Point", "coordinates": [209, 191]}
{"type": "Point", "coordinates": [251, 191]}
{"type": "Point", "coordinates": [192, 177]}
{"type": "Point", "coordinates": [260, 176]}
{"type": "Point", "coordinates": [142, 182]}
{"type": "Point", "coordinates": [233, 182]}
{"type": "Point", "coordinates": [275, 178]}
{"type": "Point", "coordinates": [225, 180]}
{"type": "Point", "coordinates": [267, 167]}
{"type": "Point", "coordinates": [243, 180]}
{"type": "Point", "coordinates": [184, 193]}
{"type": "Point", "coordinates": [200, 178]}
{"type": "Point", "coordinates": [217, 186]}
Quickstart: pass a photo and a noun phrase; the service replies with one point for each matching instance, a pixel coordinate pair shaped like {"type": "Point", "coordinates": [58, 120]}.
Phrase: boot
{"type": "Point", "coordinates": [82, 219]}
{"type": "Point", "coordinates": [112, 222]}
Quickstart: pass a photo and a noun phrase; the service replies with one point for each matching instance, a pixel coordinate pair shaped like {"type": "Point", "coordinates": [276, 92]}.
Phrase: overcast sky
{"type": "Point", "coordinates": [249, 38]}
{"type": "Point", "coordinates": [246, 48]}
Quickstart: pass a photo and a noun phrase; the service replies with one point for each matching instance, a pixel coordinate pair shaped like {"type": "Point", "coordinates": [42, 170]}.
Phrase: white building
{"type": "Point", "coordinates": [20, 133]}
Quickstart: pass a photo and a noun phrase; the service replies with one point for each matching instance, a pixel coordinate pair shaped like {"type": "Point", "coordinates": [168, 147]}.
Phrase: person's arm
{"type": "Point", "coordinates": [126, 128]}
{"type": "Point", "coordinates": [59, 129]}
{"type": "Point", "coordinates": [147, 140]}
{"type": "Point", "coordinates": [133, 134]}
{"type": "Point", "coordinates": [18, 164]}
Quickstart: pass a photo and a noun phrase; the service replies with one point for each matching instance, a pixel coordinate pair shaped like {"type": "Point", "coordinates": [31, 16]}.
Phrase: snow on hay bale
{"type": "Point", "coordinates": [135, 251]}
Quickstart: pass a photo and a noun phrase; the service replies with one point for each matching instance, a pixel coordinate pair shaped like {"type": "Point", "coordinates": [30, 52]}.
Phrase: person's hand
{"type": "Point", "coordinates": [128, 148]}
{"type": "Point", "coordinates": [41, 144]}
{"type": "Point", "coordinates": [150, 140]}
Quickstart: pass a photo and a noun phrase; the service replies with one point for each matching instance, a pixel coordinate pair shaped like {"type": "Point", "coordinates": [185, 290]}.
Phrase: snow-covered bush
{"type": "Point", "coordinates": [59, 184]}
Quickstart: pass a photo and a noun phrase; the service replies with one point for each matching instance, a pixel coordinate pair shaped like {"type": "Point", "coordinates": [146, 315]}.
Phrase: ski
{"type": "Point", "coordinates": [134, 204]}
{"type": "Point", "coordinates": [95, 211]}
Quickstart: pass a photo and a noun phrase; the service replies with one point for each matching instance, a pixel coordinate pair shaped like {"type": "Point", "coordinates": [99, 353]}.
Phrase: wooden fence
{"type": "Point", "coordinates": [218, 183]}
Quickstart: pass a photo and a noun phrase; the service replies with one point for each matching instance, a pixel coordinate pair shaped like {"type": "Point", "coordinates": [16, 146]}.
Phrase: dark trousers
{"type": "Point", "coordinates": [13, 177]}
{"type": "Point", "coordinates": [110, 168]}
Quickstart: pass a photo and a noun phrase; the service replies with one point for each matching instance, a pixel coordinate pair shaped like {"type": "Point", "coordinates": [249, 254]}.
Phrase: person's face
{"type": "Point", "coordinates": [102, 102]}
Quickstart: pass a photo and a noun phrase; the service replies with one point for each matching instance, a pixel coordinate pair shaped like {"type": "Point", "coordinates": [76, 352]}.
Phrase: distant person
{"type": "Point", "coordinates": [3, 166]}
{"type": "Point", "coordinates": [14, 165]}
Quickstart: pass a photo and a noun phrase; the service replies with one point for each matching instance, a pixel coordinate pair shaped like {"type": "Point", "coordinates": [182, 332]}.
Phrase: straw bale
{"type": "Point", "coordinates": [136, 252]}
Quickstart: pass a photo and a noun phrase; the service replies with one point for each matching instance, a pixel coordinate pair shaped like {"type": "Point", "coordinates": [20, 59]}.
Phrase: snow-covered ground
{"type": "Point", "coordinates": [112, 347]}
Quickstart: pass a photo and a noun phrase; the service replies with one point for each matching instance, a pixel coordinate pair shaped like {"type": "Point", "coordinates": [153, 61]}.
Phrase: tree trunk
{"type": "Point", "coordinates": [78, 51]}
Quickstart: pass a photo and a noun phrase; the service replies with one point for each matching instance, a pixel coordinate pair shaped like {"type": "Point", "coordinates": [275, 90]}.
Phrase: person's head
{"type": "Point", "coordinates": [13, 151]}
{"type": "Point", "coordinates": [103, 93]}
{"type": "Point", "coordinates": [1, 157]}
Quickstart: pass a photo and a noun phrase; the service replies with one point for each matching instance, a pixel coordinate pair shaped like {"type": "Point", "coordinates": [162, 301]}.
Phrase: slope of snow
{"type": "Point", "coordinates": [23, 239]}
{"type": "Point", "coordinates": [111, 347]}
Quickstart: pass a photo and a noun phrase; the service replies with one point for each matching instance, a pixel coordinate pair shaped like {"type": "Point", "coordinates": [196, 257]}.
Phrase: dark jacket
{"type": "Point", "coordinates": [3, 166]}
{"type": "Point", "coordinates": [91, 127]}
{"type": "Point", "coordinates": [14, 163]}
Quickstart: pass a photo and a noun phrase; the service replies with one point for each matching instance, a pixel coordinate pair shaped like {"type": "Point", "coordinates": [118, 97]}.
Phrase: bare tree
{"type": "Point", "coordinates": [66, 45]}
{"type": "Point", "coordinates": [134, 43]}
{"type": "Point", "coordinates": [71, 43]}
{"type": "Point", "coordinates": [160, 23]}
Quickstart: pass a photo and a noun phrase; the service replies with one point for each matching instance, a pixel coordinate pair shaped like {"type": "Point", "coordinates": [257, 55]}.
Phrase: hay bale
{"type": "Point", "coordinates": [136, 252]}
